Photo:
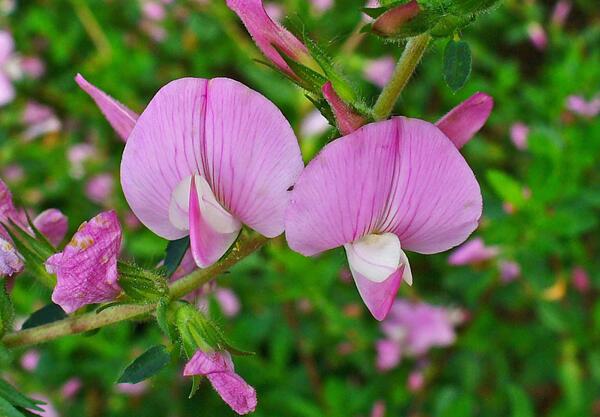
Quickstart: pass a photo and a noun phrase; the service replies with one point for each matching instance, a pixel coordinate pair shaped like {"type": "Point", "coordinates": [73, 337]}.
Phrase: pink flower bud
{"type": "Point", "coordinates": [71, 388]}
{"type": "Point", "coordinates": [392, 20]}
{"type": "Point", "coordinates": [518, 134]}
{"type": "Point", "coordinates": [509, 271]}
{"type": "Point", "coordinates": [378, 409]}
{"type": "Point", "coordinates": [228, 301]}
{"type": "Point", "coordinates": [30, 360]}
{"type": "Point", "coordinates": [87, 268]}
{"type": "Point", "coordinates": [580, 280]}
{"type": "Point", "coordinates": [379, 71]}
{"type": "Point", "coordinates": [52, 224]}
{"type": "Point", "coordinates": [416, 381]}
{"type": "Point", "coordinates": [347, 119]}
{"type": "Point", "coordinates": [537, 35]}
{"type": "Point", "coordinates": [218, 368]}
{"type": "Point", "coordinates": [561, 12]}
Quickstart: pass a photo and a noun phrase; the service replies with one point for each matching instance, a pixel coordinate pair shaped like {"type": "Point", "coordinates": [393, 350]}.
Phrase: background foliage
{"type": "Point", "coordinates": [530, 347]}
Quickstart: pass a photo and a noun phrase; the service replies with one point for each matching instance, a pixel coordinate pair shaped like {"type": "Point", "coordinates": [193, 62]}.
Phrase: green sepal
{"type": "Point", "coordinates": [308, 79]}
{"type": "Point", "coordinates": [142, 285]}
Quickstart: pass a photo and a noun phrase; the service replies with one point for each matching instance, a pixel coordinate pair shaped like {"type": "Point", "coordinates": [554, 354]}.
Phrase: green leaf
{"type": "Point", "coordinates": [47, 314]}
{"type": "Point", "coordinates": [174, 254]}
{"type": "Point", "coordinates": [506, 187]}
{"type": "Point", "coordinates": [520, 404]}
{"type": "Point", "coordinates": [146, 365]}
{"type": "Point", "coordinates": [457, 64]}
{"type": "Point", "coordinates": [14, 397]}
{"type": "Point", "coordinates": [7, 311]}
{"type": "Point", "coordinates": [7, 410]}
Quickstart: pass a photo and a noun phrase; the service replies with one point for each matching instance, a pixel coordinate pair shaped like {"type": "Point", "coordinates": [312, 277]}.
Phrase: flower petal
{"type": "Point", "coordinates": [378, 296]}
{"type": "Point", "coordinates": [212, 232]}
{"type": "Point", "coordinates": [119, 116]}
{"type": "Point", "coordinates": [466, 119]}
{"type": "Point", "coordinates": [52, 224]}
{"type": "Point", "coordinates": [7, 45]}
{"type": "Point", "coordinates": [7, 91]}
{"type": "Point", "coordinates": [236, 392]}
{"type": "Point", "coordinates": [11, 262]}
{"type": "Point", "coordinates": [87, 268]}
{"type": "Point", "coordinates": [375, 257]}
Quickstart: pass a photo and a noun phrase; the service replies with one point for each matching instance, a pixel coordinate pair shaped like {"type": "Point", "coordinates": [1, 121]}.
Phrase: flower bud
{"type": "Point", "coordinates": [390, 22]}
{"type": "Point", "coordinates": [141, 284]}
{"type": "Point", "coordinates": [347, 119]}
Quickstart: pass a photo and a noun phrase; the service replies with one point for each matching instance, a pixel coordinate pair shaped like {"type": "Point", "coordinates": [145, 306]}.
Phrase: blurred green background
{"type": "Point", "coordinates": [529, 347]}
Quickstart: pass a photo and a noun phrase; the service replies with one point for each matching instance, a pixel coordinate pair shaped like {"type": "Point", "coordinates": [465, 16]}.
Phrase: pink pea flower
{"type": "Point", "coordinates": [561, 12]}
{"type": "Point", "coordinates": [537, 35]}
{"type": "Point", "coordinates": [509, 271]}
{"type": "Point", "coordinates": [379, 71]}
{"type": "Point", "coordinates": [7, 64]}
{"type": "Point", "coordinates": [11, 261]}
{"type": "Point", "coordinates": [71, 388]}
{"type": "Point", "coordinates": [270, 37]}
{"type": "Point", "coordinates": [473, 252]}
{"type": "Point", "coordinates": [378, 409]}
{"type": "Point", "coordinates": [411, 330]}
{"type": "Point", "coordinates": [40, 120]}
{"type": "Point", "coordinates": [99, 188]}
{"type": "Point", "coordinates": [391, 185]}
{"type": "Point", "coordinates": [49, 410]}
{"type": "Point", "coordinates": [580, 280]}
{"type": "Point", "coordinates": [581, 107]}
{"type": "Point", "coordinates": [30, 360]}
{"type": "Point", "coordinates": [86, 270]}
{"type": "Point", "coordinates": [205, 157]}
{"type": "Point", "coordinates": [462, 122]}
{"type": "Point", "coordinates": [218, 368]}
{"type": "Point", "coordinates": [133, 390]}
{"type": "Point", "coordinates": [518, 134]}
{"type": "Point", "coordinates": [228, 301]}
{"type": "Point", "coordinates": [416, 381]}
{"type": "Point", "coordinates": [53, 224]}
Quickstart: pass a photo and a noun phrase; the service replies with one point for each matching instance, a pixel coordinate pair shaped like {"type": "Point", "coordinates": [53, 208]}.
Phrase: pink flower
{"type": "Point", "coordinates": [120, 117]}
{"type": "Point", "coordinates": [99, 188]}
{"type": "Point", "coordinates": [518, 134]}
{"type": "Point", "coordinates": [30, 360]}
{"type": "Point", "coordinates": [53, 224]}
{"type": "Point", "coordinates": [322, 6]}
{"type": "Point", "coordinates": [473, 252]}
{"type": "Point", "coordinates": [32, 66]}
{"type": "Point", "coordinates": [71, 388]}
{"type": "Point", "coordinates": [393, 19]}
{"type": "Point", "coordinates": [270, 37]}
{"type": "Point", "coordinates": [228, 301]}
{"type": "Point", "coordinates": [206, 157]}
{"type": "Point", "coordinates": [462, 122]}
{"type": "Point", "coordinates": [314, 124]}
{"type": "Point", "coordinates": [537, 35]}
{"type": "Point", "coordinates": [78, 155]}
{"type": "Point", "coordinates": [133, 390]}
{"type": "Point", "coordinates": [86, 270]}
{"type": "Point", "coordinates": [8, 211]}
{"type": "Point", "coordinates": [509, 271]}
{"type": "Point", "coordinates": [275, 11]}
{"type": "Point", "coordinates": [218, 368]}
{"type": "Point", "coordinates": [378, 409]}
{"type": "Point", "coordinates": [561, 12]}
{"type": "Point", "coordinates": [153, 10]}
{"type": "Point", "coordinates": [416, 381]}
{"type": "Point", "coordinates": [581, 107]}
{"type": "Point", "coordinates": [580, 280]}
{"type": "Point", "coordinates": [49, 410]}
{"type": "Point", "coordinates": [7, 45]}
{"type": "Point", "coordinates": [391, 185]}
{"type": "Point", "coordinates": [13, 172]}
{"type": "Point", "coordinates": [40, 120]}
{"type": "Point", "coordinates": [412, 329]}
{"type": "Point", "coordinates": [11, 262]}
{"type": "Point", "coordinates": [379, 71]}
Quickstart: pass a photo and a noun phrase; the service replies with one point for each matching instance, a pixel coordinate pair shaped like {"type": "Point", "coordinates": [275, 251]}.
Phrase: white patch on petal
{"type": "Point", "coordinates": [214, 214]}
{"type": "Point", "coordinates": [407, 274]}
{"type": "Point", "coordinates": [375, 257]}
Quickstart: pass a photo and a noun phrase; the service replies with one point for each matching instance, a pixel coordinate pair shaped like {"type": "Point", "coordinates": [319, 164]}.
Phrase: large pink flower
{"type": "Point", "coordinates": [205, 157]}
{"type": "Point", "coordinates": [218, 368]}
{"type": "Point", "coordinates": [390, 186]}
{"type": "Point", "coordinates": [86, 269]}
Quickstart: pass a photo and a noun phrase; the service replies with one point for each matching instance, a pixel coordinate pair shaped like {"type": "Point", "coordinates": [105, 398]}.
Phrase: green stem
{"type": "Point", "coordinates": [413, 52]}
{"type": "Point", "coordinates": [90, 321]}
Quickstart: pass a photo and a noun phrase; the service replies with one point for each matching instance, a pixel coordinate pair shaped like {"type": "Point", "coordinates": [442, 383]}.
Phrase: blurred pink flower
{"type": "Point", "coordinates": [153, 10]}
{"type": "Point", "coordinates": [49, 410]}
{"type": "Point", "coordinates": [11, 262]}
{"type": "Point", "coordinates": [400, 202]}
{"type": "Point", "coordinates": [537, 35]}
{"type": "Point", "coordinates": [561, 12]}
{"type": "Point", "coordinates": [8, 211]}
{"type": "Point", "coordinates": [30, 360]}
{"type": "Point", "coordinates": [53, 224]}
{"type": "Point", "coordinates": [581, 107]}
{"type": "Point", "coordinates": [99, 188]}
{"type": "Point", "coordinates": [518, 134]}
{"type": "Point", "coordinates": [313, 124]}
{"type": "Point", "coordinates": [218, 368]}
{"type": "Point", "coordinates": [228, 301]}
{"type": "Point", "coordinates": [40, 120]}
{"type": "Point", "coordinates": [71, 388]}
{"type": "Point", "coordinates": [32, 67]}
{"type": "Point", "coordinates": [275, 11]}
{"type": "Point", "coordinates": [509, 271]}
{"type": "Point", "coordinates": [411, 329]}
{"type": "Point", "coordinates": [77, 155]}
{"type": "Point", "coordinates": [580, 280]}
{"type": "Point", "coordinates": [131, 221]}
{"type": "Point", "coordinates": [13, 172]}
{"type": "Point", "coordinates": [416, 381]}
{"type": "Point", "coordinates": [7, 72]}
{"type": "Point", "coordinates": [473, 252]}
{"type": "Point", "coordinates": [133, 390]}
{"type": "Point", "coordinates": [378, 409]}
{"type": "Point", "coordinates": [322, 6]}
{"type": "Point", "coordinates": [379, 71]}
{"type": "Point", "coordinates": [87, 268]}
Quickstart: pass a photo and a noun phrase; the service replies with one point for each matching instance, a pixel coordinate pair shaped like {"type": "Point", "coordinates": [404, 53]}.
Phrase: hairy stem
{"type": "Point", "coordinates": [90, 321]}
{"type": "Point", "coordinates": [413, 52]}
